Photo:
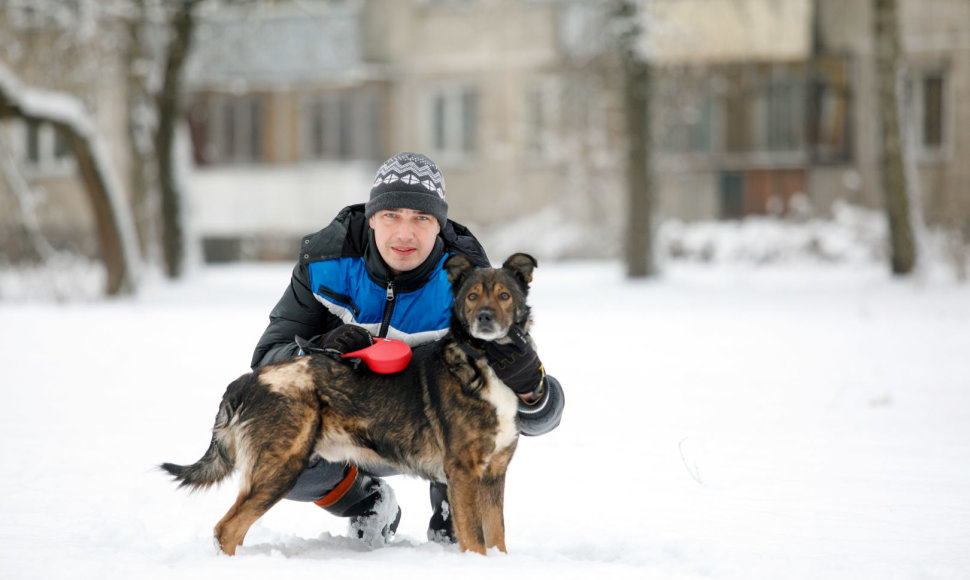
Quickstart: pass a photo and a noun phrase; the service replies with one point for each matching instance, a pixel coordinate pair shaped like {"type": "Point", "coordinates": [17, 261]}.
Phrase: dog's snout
{"type": "Point", "coordinates": [486, 324]}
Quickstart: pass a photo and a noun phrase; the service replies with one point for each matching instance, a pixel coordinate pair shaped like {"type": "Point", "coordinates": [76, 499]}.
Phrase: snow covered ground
{"type": "Point", "coordinates": [803, 420]}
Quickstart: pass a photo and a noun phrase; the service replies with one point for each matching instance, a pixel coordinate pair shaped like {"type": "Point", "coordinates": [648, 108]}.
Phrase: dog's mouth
{"type": "Point", "coordinates": [488, 334]}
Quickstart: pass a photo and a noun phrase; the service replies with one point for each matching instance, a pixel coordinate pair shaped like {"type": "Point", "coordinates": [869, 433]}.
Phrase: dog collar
{"type": "Point", "coordinates": [479, 353]}
{"type": "Point", "coordinates": [475, 353]}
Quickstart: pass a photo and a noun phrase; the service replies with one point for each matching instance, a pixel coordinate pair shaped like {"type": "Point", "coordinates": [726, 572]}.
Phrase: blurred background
{"type": "Point", "coordinates": [752, 219]}
{"type": "Point", "coordinates": [153, 136]}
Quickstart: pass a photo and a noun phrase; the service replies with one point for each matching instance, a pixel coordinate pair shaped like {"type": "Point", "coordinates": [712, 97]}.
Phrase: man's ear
{"type": "Point", "coordinates": [457, 266]}
{"type": "Point", "coordinates": [521, 265]}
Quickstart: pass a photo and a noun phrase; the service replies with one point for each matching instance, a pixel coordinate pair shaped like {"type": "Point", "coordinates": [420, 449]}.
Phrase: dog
{"type": "Point", "coordinates": [446, 417]}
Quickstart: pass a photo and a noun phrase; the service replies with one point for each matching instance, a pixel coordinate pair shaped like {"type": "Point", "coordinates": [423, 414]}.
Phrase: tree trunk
{"type": "Point", "coordinates": [91, 169]}
{"type": "Point", "coordinates": [116, 231]}
{"type": "Point", "coordinates": [893, 168]}
{"type": "Point", "coordinates": [639, 251]}
{"type": "Point", "coordinates": [140, 131]}
{"type": "Point", "coordinates": [169, 110]}
{"type": "Point", "coordinates": [640, 260]}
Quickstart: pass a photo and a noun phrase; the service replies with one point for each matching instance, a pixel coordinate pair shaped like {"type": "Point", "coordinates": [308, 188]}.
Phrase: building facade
{"type": "Point", "coordinates": [757, 131]}
{"type": "Point", "coordinates": [758, 107]}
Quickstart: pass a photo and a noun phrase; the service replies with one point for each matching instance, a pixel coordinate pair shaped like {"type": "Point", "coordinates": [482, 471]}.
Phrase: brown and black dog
{"type": "Point", "coordinates": [445, 418]}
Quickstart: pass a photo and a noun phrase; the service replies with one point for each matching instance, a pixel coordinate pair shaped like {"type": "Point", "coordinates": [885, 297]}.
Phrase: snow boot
{"type": "Point", "coordinates": [441, 528]}
{"type": "Point", "coordinates": [370, 504]}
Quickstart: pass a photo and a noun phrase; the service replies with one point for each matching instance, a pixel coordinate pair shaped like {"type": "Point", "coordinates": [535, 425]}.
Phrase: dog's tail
{"type": "Point", "coordinates": [219, 459]}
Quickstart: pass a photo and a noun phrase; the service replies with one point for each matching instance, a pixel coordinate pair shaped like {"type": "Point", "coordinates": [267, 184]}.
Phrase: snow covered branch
{"type": "Point", "coordinates": [116, 227]}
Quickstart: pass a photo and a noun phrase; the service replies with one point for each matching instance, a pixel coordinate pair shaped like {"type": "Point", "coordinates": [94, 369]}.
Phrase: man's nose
{"type": "Point", "coordinates": [406, 230]}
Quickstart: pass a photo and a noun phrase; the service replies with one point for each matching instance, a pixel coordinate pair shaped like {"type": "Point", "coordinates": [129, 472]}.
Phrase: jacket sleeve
{"type": "Point", "coordinates": [296, 314]}
{"type": "Point", "coordinates": [543, 416]}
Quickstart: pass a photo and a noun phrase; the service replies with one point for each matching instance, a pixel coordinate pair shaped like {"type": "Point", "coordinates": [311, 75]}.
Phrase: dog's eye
{"type": "Point", "coordinates": [504, 296]}
{"type": "Point", "coordinates": [471, 297]}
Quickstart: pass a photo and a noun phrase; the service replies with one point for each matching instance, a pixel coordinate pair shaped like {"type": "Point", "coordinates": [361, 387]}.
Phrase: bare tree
{"type": "Point", "coordinates": [139, 21]}
{"type": "Point", "coordinates": [115, 228]}
{"type": "Point", "coordinates": [169, 102]}
{"type": "Point", "coordinates": [893, 166]}
{"type": "Point", "coordinates": [639, 243]}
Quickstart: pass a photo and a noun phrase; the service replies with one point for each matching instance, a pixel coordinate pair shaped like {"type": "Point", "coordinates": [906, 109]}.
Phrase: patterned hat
{"type": "Point", "coordinates": [409, 181]}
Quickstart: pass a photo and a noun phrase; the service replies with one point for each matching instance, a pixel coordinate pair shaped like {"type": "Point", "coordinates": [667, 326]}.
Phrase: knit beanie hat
{"type": "Point", "coordinates": [409, 181]}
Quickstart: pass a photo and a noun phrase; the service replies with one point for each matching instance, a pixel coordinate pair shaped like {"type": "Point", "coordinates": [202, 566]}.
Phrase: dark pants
{"type": "Point", "coordinates": [321, 476]}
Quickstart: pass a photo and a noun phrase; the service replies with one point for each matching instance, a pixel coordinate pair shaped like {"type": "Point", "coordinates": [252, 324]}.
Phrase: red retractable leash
{"type": "Point", "coordinates": [386, 356]}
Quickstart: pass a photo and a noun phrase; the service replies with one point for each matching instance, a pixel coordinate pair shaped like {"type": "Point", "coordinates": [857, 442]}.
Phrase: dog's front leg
{"type": "Point", "coordinates": [493, 501]}
{"type": "Point", "coordinates": [464, 495]}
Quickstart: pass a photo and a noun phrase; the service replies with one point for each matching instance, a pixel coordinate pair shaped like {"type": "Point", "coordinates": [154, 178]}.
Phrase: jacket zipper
{"type": "Point", "coordinates": [388, 310]}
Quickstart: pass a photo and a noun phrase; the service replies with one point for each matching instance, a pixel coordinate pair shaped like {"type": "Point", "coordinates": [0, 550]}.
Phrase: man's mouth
{"type": "Point", "coordinates": [403, 251]}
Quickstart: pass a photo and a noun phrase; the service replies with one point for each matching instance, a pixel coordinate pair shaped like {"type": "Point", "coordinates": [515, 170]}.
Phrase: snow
{"type": "Point", "coordinates": [808, 419]}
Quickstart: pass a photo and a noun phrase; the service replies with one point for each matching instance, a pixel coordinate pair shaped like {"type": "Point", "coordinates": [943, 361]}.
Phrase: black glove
{"type": "Point", "coordinates": [341, 340]}
{"type": "Point", "coordinates": [516, 363]}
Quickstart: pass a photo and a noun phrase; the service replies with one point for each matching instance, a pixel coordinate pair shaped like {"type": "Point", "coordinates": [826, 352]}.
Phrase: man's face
{"type": "Point", "coordinates": [404, 237]}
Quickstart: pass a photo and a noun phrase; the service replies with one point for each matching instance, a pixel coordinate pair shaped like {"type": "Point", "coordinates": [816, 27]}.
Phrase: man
{"type": "Point", "coordinates": [376, 270]}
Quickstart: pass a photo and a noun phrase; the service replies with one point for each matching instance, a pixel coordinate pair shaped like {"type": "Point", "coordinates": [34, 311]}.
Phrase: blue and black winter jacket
{"type": "Point", "coordinates": [341, 279]}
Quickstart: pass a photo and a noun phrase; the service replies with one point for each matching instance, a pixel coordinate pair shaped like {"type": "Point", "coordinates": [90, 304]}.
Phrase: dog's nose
{"type": "Point", "coordinates": [485, 317]}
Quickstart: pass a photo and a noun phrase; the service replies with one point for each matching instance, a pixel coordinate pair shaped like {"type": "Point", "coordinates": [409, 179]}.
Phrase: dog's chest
{"type": "Point", "coordinates": [506, 405]}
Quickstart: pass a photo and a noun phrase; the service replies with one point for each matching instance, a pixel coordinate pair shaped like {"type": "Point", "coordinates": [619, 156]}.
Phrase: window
{"type": "Point", "coordinates": [930, 100]}
{"type": "Point", "coordinates": [932, 121]}
{"type": "Point", "coordinates": [731, 195]}
{"type": "Point", "coordinates": [328, 126]}
{"type": "Point", "coordinates": [738, 121]}
{"type": "Point", "coordinates": [778, 111]}
{"type": "Point", "coordinates": [469, 118]}
{"type": "Point", "coordinates": [827, 122]}
{"type": "Point", "coordinates": [33, 142]}
{"type": "Point", "coordinates": [342, 126]}
{"type": "Point", "coordinates": [453, 123]}
{"type": "Point", "coordinates": [45, 151]}
{"type": "Point", "coordinates": [691, 127]}
{"type": "Point", "coordinates": [540, 121]}
{"type": "Point", "coordinates": [782, 99]}
{"type": "Point", "coordinates": [928, 111]}
{"type": "Point", "coordinates": [237, 130]}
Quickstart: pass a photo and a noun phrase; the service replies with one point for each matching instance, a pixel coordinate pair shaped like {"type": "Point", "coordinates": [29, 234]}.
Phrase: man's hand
{"type": "Point", "coordinates": [345, 338]}
{"type": "Point", "coordinates": [517, 365]}
{"type": "Point", "coordinates": [341, 340]}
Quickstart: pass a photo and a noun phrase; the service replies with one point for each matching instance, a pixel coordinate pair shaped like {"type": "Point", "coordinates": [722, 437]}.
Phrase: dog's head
{"type": "Point", "coordinates": [488, 301]}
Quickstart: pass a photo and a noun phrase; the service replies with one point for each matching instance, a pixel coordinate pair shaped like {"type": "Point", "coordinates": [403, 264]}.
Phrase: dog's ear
{"type": "Point", "coordinates": [521, 265]}
{"type": "Point", "coordinates": [457, 266]}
